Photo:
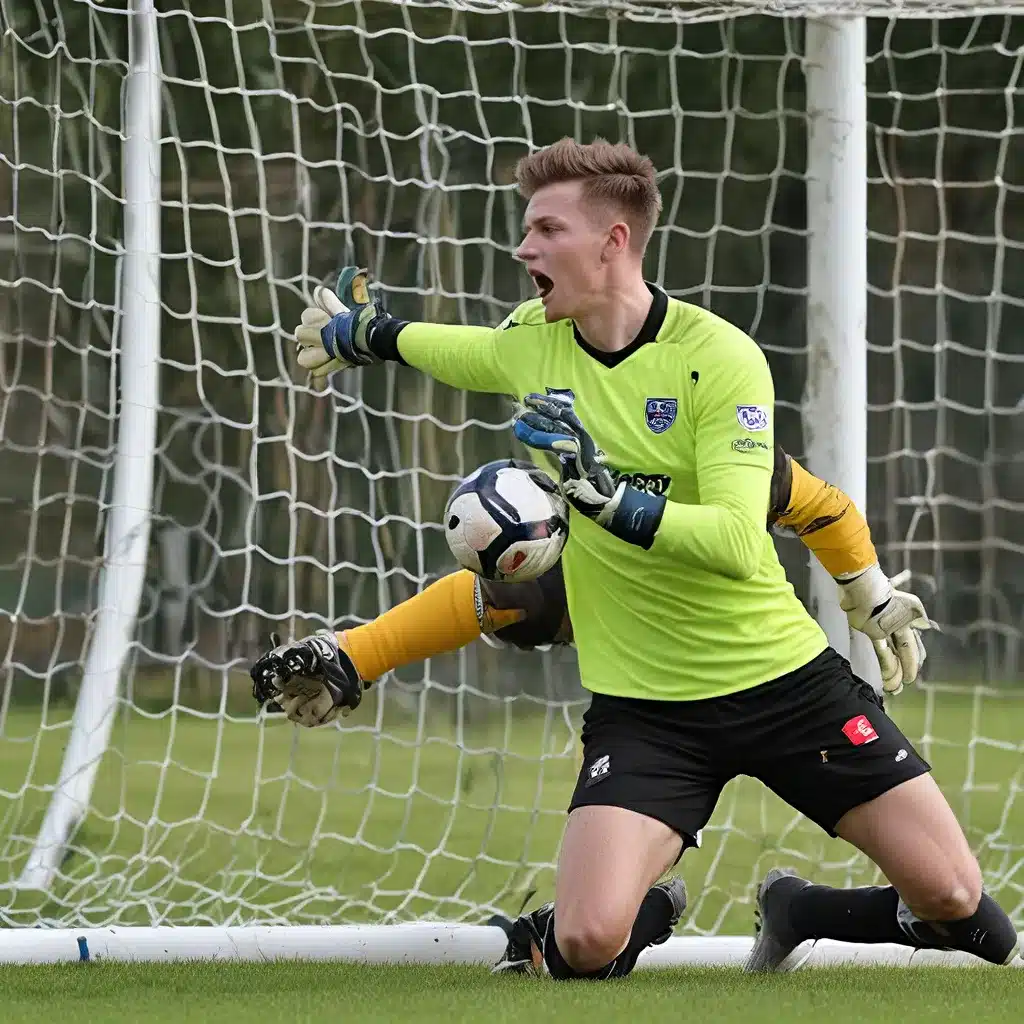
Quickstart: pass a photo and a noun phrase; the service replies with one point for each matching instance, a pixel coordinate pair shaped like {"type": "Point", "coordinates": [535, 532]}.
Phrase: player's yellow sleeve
{"type": "Point", "coordinates": [734, 454]}
{"type": "Point", "coordinates": [445, 616]}
{"type": "Point", "coordinates": [825, 520]}
{"type": "Point", "coordinates": [471, 358]}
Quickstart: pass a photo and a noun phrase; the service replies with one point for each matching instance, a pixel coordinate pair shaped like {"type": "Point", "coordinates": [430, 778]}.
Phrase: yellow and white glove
{"type": "Point", "coordinates": [336, 330]}
{"type": "Point", "coordinates": [892, 619]}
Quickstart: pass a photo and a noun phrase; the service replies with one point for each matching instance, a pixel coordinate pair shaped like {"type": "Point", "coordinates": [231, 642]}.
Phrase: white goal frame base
{"type": "Point", "coordinates": [408, 944]}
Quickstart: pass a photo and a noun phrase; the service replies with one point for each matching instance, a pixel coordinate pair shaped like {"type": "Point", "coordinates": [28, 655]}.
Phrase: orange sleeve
{"type": "Point", "coordinates": [442, 618]}
{"type": "Point", "coordinates": [828, 523]}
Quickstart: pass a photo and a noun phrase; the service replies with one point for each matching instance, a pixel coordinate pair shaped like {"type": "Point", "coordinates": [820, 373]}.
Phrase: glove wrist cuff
{"type": "Point", "coordinates": [344, 659]}
{"type": "Point", "coordinates": [873, 571]}
{"type": "Point", "coordinates": [382, 336]}
{"type": "Point", "coordinates": [865, 589]}
{"type": "Point", "coordinates": [634, 516]}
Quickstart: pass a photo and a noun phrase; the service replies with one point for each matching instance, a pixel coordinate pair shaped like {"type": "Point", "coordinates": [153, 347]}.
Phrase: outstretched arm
{"type": "Point", "coordinates": [344, 329]}
{"type": "Point", "coordinates": [445, 616]}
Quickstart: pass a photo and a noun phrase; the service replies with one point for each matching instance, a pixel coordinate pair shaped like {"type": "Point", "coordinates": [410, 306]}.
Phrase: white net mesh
{"type": "Point", "coordinates": [298, 137]}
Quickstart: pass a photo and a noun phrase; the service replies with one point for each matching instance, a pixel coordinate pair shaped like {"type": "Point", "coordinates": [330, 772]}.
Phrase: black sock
{"type": "Point", "coordinates": [652, 921]}
{"type": "Point", "coordinates": [876, 914]}
{"type": "Point", "coordinates": [867, 914]}
{"type": "Point", "coordinates": [988, 933]}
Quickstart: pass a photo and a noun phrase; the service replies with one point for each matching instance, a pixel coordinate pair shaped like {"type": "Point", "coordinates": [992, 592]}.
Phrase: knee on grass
{"type": "Point", "coordinates": [587, 943]}
{"type": "Point", "coordinates": [986, 931]}
{"type": "Point", "coordinates": [590, 948]}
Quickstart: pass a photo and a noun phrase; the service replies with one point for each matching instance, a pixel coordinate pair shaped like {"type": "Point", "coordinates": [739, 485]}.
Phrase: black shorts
{"type": "Point", "coordinates": [817, 737]}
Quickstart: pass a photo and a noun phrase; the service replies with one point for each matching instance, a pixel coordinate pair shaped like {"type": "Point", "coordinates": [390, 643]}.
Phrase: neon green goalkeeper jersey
{"type": "Point", "coordinates": [684, 411]}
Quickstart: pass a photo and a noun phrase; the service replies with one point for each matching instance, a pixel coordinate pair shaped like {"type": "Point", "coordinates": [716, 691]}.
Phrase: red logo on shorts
{"type": "Point", "coordinates": [859, 730]}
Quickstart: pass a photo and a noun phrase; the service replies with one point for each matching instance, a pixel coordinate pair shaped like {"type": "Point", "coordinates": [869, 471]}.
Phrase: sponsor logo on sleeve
{"type": "Point", "coordinates": [752, 417]}
{"type": "Point", "coordinates": [748, 444]}
{"type": "Point", "coordinates": [660, 413]}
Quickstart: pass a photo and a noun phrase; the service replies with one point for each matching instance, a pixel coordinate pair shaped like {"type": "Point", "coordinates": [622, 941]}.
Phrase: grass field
{"type": "Point", "coordinates": [221, 819]}
{"type": "Point", "coordinates": [272, 993]}
{"type": "Point", "coordinates": [206, 818]}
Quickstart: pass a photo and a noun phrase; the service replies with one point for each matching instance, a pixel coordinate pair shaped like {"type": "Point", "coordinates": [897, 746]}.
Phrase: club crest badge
{"type": "Point", "coordinates": [660, 413]}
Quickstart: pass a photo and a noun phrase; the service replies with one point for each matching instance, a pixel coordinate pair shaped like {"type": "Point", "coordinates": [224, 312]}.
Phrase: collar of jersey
{"type": "Point", "coordinates": [648, 331]}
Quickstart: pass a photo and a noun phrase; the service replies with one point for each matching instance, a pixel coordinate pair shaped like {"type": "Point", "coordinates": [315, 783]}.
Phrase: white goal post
{"type": "Point", "coordinates": [841, 179]}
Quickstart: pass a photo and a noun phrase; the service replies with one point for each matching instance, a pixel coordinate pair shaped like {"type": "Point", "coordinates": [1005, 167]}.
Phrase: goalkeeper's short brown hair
{"type": "Point", "coordinates": [611, 173]}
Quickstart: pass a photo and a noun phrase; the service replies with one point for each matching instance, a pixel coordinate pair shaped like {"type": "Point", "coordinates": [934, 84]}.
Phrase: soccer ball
{"type": "Point", "coordinates": [507, 521]}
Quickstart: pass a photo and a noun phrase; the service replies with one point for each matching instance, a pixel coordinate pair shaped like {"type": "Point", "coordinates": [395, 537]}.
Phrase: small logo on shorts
{"type": "Point", "coordinates": [859, 731]}
{"type": "Point", "coordinates": [824, 756]}
{"type": "Point", "coordinates": [901, 755]}
{"type": "Point", "coordinates": [599, 770]}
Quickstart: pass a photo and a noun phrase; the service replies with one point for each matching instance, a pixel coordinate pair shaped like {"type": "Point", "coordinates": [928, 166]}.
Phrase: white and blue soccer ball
{"type": "Point", "coordinates": [507, 521]}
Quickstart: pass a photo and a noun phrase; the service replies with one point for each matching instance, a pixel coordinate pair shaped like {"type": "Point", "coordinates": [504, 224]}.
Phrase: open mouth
{"type": "Point", "coordinates": [543, 282]}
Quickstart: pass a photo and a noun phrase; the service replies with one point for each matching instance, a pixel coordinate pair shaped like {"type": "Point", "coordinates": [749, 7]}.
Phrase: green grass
{"type": "Point", "coordinates": [298, 992]}
{"type": "Point", "coordinates": [203, 818]}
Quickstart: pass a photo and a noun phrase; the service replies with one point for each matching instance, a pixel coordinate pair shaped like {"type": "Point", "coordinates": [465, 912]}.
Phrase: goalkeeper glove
{"type": "Point", "coordinates": [337, 332]}
{"type": "Point", "coordinates": [549, 423]}
{"type": "Point", "coordinates": [311, 680]}
{"type": "Point", "coordinates": [892, 619]}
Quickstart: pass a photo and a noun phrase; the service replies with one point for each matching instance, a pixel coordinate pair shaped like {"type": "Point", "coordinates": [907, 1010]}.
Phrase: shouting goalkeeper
{"type": "Point", "coordinates": [461, 607]}
{"type": "Point", "coordinates": [669, 597]}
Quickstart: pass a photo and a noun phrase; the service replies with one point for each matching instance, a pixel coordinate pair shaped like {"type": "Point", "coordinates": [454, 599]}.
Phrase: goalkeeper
{"type": "Point", "coordinates": [702, 663]}
{"type": "Point", "coordinates": [461, 607]}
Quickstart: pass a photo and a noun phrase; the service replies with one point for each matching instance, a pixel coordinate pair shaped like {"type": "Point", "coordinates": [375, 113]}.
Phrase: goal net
{"type": "Point", "coordinates": [296, 137]}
